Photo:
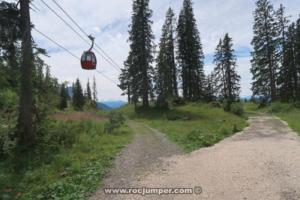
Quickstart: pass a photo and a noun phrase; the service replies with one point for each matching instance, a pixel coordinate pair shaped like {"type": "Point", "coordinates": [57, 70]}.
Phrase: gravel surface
{"type": "Point", "coordinates": [140, 158]}
{"type": "Point", "coordinates": [260, 163]}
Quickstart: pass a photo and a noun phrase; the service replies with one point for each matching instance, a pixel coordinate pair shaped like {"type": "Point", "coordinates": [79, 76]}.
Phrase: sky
{"type": "Point", "coordinates": [108, 21]}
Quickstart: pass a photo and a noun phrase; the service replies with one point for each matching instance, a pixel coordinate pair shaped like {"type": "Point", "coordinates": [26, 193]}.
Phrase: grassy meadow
{"type": "Point", "coordinates": [192, 126]}
{"type": "Point", "coordinates": [69, 162]}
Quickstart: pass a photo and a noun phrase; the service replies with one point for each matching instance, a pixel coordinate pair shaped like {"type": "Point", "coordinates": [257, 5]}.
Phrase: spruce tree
{"type": "Point", "coordinates": [282, 24]}
{"type": "Point", "coordinates": [88, 93]}
{"type": "Point", "coordinates": [166, 72]}
{"type": "Point", "coordinates": [78, 97]}
{"type": "Point", "coordinates": [264, 57]}
{"type": "Point", "coordinates": [227, 78]}
{"type": "Point", "coordinates": [63, 97]}
{"type": "Point", "coordinates": [125, 81]}
{"type": "Point", "coordinates": [141, 52]}
{"type": "Point", "coordinates": [95, 94]}
{"type": "Point", "coordinates": [210, 88]}
{"type": "Point", "coordinates": [190, 54]}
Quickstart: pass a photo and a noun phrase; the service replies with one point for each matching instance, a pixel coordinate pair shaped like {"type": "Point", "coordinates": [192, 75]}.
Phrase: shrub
{"type": "Point", "coordinates": [197, 139]}
{"type": "Point", "coordinates": [8, 100]}
{"type": "Point", "coordinates": [215, 104]}
{"type": "Point", "coordinates": [237, 109]}
{"type": "Point", "coordinates": [297, 104]}
{"type": "Point", "coordinates": [226, 105]}
{"type": "Point", "coordinates": [178, 101]}
{"type": "Point", "coordinates": [280, 107]}
{"type": "Point", "coordinates": [116, 120]}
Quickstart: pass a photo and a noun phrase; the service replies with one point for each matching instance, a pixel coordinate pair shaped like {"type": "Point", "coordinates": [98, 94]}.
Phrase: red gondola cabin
{"type": "Point", "coordinates": [88, 60]}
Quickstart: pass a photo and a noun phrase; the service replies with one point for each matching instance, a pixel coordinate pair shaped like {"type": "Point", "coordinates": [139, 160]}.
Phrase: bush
{"type": "Point", "coordinates": [237, 109]}
{"type": "Point", "coordinates": [197, 139]}
{"type": "Point", "coordinates": [8, 100]}
{"type": "Point", "coordinates": [215, 104]}
{"type": "Point", "coordinates": [226, 105]}
{"type": "Point", "coordinates": [116, 120]}
{"type": "Point", "coordinates": [277, 107]}
{"type": "Point", "coordinates": [297, 104]}
{"type": "Point", "coordinates": [178, 101]}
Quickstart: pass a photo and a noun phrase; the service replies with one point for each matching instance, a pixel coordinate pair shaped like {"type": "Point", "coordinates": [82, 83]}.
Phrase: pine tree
{"type": "Point", "coordinates": [141, 50]}
{"type": "Point", "coordinates": [264, 57]}
{"type": "Point", "coordinates": [88, 93]}
{"type": "Point", "coordinates": [190, 54]}
{"type": "Point", "coordinates": [125, 81]}
{"type": "Point", "coordinates": [166, 72]}
{"type": "Point", "coordinates": [210, 88]}
{"type": "Point", "coordinates": [95, 94]}
{"type": "Point", "coordinates": [227, 78]}
{"type": "Point", "coordinates": [282, 23]}
{"type": "Point", "coordinates": [78, 97]}
{"type": "Point", "coordinates": [63, 97]}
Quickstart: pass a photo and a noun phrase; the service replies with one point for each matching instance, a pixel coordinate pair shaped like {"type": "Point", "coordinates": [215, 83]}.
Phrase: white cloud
{"type": "Point", "coordinates": [109, 20]}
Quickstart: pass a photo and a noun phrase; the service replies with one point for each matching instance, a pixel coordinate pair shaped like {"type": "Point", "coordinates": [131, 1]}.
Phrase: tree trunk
{"type": "Point", "coordinates": [25, 126]}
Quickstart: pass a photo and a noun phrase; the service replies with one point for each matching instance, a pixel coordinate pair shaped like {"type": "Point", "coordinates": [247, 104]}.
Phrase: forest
{"type": "Point", "coordinates": [48, 152]}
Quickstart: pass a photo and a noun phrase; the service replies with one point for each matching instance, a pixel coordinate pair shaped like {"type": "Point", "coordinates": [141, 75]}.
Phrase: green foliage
{"type": "Point", "coordinates": [78, 97]}
{"type": "Point", "coordinates": [8, 100]}
{"type": "Point", "coordinates": [116, 120]}
{"type": "Point", "coordinates": [226, 78]}
{"type": "Point", "coordinates": [190, 53]}
{"type": "Point", "coordinates": [280, 107]}
{"type": "Point", "coordinates": [237, 109]}
{"type": "Point", "coordinates": [136, 79]}
{"type": "Point", "coordinates": [215, 104]}
{"type": "Point", "coordinates": [69, 162]}
{"type": "Point", "coordinates": [166, 72]}
{"type": "Point", "coordinates": [196, 139]}
{"type": "Point", "coordinates": [292, 117]}
{"type": "Point", "coordinates": [178, 101]}
{"type": "Point", "coordinates": [226, 105]}
{"type": "Point", "coordinates": [265, 44]}
{"type": "Point", "coordinates": [180, 121]}
{"type": "Point", "coordinates": [64, 97]}
{"type": "Point", "coordinates": [297, 104]}
{"type": "Point", "coordinates": [8, 121]}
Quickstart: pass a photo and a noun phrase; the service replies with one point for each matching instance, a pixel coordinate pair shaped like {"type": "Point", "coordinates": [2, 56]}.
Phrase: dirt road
{"type": "Point", "coordinates": [260, 163]}
{"type": "Point", "coordinates": [140, 158]}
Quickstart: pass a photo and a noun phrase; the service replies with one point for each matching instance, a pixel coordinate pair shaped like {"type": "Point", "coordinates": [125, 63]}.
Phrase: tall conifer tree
{"type": "Point", "coordinates": [190, 54]}
{"type": "Point", "coordinates": [226, 76]}
{"type": "Point", "coordinates": [166, 72]}
{"type": "Point", "coordinates": [140, 71]}
{"type": "Point", "coordinates": [265, 55]}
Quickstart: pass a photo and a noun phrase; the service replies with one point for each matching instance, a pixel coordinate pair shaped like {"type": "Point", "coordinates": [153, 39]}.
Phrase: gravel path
{"type": "Point", "coordinates": [140, 158]}
{"type": "Point", "coordinates": [260, 163]}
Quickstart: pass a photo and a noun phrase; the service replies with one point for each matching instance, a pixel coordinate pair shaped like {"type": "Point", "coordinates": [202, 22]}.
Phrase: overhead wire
{"type": "Point", "coordinates": [108, 60]}
{"type": "Point", "coordinates": [84, 32]}
{"type": "Point", "coordinates": [72, 54]}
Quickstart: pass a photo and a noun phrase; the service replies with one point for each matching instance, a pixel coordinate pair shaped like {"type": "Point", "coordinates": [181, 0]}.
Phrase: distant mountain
{"type": "Point", "coordinates": [103, 106]}
{"type": "Point", "coordinates": [114, 104]}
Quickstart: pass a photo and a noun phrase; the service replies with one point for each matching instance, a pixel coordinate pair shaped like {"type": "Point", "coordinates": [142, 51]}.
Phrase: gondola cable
{"type": "Point", "coordinates": [65, 22]}
{"type": "Point", "coordinates": [73, 55]}
{"type": "Point", "coordinates": [83, 31]}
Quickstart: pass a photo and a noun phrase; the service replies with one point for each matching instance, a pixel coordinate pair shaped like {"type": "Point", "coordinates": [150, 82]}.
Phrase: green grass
{"type": "Point", "coordinates": [192, 126]}
{"type": "Point", "coordinates": [69, 163]}
{"type": "Point", "coordinates": [292, 118]}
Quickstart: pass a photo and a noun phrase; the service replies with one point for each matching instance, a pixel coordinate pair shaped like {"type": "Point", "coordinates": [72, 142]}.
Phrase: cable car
{"type": "Point", "coordinates": [88, 58]}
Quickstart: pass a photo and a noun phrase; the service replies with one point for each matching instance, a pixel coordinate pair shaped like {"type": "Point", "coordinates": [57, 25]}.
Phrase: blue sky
{"type": "Point", "coordinates": [109, 20]}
